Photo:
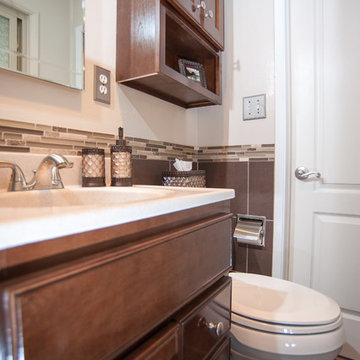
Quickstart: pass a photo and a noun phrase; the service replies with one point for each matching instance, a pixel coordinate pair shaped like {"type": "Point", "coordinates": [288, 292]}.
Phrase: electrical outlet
{"type": "Point", "coordinates": [254, 107]}
{"type": "Point", "coordinates": [102, 85]}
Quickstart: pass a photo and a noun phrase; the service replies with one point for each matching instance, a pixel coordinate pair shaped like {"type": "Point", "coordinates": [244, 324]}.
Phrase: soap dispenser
{"type": "Point", "coordinates": [121, 165]}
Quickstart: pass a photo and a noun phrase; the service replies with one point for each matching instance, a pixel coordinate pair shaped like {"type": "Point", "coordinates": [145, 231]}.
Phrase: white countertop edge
{"type": "Point", "coordinates": [36, 229]}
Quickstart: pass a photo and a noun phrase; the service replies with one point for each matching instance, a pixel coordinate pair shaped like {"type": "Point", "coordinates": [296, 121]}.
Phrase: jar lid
{"type": "Point", "coordinates": [119, 148]}
{"type": "Point", "coordinates": [93, 151]}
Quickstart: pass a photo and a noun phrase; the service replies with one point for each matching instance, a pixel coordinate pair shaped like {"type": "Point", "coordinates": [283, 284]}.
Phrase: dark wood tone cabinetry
{"type": "Point", "coordinates": [206, 321]}
{"type": "Point", "coordinates": [104, 293]}
{"type": "Point", "coordinates": [223, 351]}
{"type": "Point", "coordinates": [165, 345]}
{"type": "Point", "coordinates": [207, 16]}
{"type": "Point", "coordinates": [152, 36]}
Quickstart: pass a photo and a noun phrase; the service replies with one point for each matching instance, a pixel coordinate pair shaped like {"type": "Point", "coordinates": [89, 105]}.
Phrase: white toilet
{"type": "Point", "coordinates": [273, 319]}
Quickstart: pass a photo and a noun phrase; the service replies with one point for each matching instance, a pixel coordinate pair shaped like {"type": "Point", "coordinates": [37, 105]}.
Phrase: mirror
{"type": "Point", "coordinates": [44, 39]}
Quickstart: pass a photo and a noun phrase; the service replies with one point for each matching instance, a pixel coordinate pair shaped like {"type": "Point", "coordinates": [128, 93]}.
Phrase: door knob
{"type": "Point", "coordinates": [303, 173]}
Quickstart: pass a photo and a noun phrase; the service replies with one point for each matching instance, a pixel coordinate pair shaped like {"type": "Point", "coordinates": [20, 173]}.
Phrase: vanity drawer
{"type": "Point", "coordinates": [162, 346]}
{"type": "Point", "coordinates": [206, 325]}
{"type": "Point", "coordinates": [97, 307]}
{"type": "Point", "coordinates": [223, 351]}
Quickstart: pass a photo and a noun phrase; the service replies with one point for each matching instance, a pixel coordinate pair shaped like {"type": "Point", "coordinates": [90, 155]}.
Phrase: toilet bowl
{"type": "Point", "coordinates": [273, 319]}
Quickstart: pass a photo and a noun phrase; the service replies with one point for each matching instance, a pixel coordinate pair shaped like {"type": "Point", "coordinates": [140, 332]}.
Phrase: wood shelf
{"type": "Point", "coordinates": [150, 40]}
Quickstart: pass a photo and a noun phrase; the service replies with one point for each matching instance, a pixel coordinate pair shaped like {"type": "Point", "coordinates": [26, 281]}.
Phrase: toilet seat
{"type": "Point", "coordinates": [275, 346]}
{"type": "Point", "coordinates": [272, 301]}
{"type": "Point", "coordinates": [278, 319]}
{"type": "Point", "coordinates": [284, 329]}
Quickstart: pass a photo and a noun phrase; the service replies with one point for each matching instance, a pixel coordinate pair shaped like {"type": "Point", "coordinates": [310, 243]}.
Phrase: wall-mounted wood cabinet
{"type": "Point", "coordinates": [152, 36]}
{"type": "Point", "coordinates": [207, 16]}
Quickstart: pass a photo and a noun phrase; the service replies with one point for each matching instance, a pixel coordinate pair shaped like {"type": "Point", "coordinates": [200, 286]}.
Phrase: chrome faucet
{"type": "Point", "coordinates": [46, 177]}
{"type": "Point", "coordinates": [47, 174]}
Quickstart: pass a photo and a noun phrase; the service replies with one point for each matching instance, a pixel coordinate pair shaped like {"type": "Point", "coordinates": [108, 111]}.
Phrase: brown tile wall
{"type": "Point", "coordinates": [148, 172]}
{"type": "Point", "coordinates": [253, 182]}
{"type": "Point", "coordinates": [249, 169]}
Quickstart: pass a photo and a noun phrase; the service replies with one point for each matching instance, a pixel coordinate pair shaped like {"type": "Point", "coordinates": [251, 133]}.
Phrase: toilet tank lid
{"type": "Point", "coordinates": [279, 301]}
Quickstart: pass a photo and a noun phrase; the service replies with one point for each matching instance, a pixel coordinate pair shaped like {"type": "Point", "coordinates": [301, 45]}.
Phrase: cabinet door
{"type": "Point", "coordinates": [191, 7]}
{"type": "Point", "coordinates": [212, 19]}
{"type": "Point", "coordinates": [207, 15]}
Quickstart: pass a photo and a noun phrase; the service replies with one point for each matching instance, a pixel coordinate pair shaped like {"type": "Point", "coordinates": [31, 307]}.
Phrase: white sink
{"type": "Point", "coordinates": [37, 215]}
{"type": "Point", "coordinates": [78, 196]}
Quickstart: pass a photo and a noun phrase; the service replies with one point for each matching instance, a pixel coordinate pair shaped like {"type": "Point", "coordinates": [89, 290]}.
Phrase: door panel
{"type": "Point", "coordinates": [338, 78]}
{"type": "Point", "coordinates": [325, 212]}
{"type": "Point", "coordinates": [335, 239]}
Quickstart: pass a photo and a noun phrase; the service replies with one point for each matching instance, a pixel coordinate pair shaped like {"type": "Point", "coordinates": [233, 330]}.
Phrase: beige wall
{"type": "Point", "coordinates": [248, 70]}
{"type": "Point", "coordinates": [30, 100]}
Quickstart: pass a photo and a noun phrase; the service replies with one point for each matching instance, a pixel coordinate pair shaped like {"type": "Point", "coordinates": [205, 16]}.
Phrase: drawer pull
{"type": "Point", "coordinates": [202, 5]}
{"type": "Point", "coordinates": [209, 15]}
{"type": "Point", "coordinates": [219, 327]}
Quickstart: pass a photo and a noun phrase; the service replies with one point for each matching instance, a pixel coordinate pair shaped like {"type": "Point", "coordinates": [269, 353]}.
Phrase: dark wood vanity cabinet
{"type": "Point", "coordinates": [152, 35]}
{"type": "Point", "coordinates": [151, 289]}
{"type": "Point", "coordinates": [205, 323]}
{"type": "Point", "coordinates": [199, 331]}
{"type": "Point", "coordinates": [165, 345]}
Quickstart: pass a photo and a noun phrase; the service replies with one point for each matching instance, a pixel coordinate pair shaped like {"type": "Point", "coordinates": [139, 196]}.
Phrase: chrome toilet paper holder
{"type": "Point", "coordinates": [250, 229]}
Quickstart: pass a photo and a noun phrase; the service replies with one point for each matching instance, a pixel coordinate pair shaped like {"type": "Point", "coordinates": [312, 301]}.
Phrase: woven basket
{"type": "Point", "coordinates": [194, 178]}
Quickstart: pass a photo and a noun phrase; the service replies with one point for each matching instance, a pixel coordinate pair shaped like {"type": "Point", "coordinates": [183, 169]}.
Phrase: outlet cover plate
{"type": "Point", "coordinates": [102, 85]}
{"type": "Point", "coordinates": [254, 107]}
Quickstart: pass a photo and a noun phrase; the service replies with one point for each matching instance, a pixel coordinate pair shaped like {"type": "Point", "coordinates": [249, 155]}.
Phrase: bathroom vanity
{"type": "Point", "coordinates": [142, 278]}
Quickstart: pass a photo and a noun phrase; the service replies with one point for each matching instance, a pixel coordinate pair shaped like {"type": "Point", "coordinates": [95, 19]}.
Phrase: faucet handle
{"type": "Point", "coordinates": [17, 179]}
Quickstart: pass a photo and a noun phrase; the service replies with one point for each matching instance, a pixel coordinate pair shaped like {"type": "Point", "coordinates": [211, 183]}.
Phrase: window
{"type": "Point", "coordinates": [12, 38]}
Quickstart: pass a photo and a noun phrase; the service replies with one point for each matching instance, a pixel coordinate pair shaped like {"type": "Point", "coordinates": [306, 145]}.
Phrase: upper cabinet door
{"type": "Point", "coordinates": [207, 16]}
{"type": "Point", "coordinates": [212, 19]}
{"type": "Point", "coordinates": [189, 6]}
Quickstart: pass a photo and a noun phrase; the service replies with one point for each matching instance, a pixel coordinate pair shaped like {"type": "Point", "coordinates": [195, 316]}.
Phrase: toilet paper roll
{"type": "Point", "coordinates": [250, 230]}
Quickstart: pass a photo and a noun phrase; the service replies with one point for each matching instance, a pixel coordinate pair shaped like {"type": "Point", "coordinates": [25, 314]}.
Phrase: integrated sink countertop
{"type": "Point", "coordinates": [31, 216]}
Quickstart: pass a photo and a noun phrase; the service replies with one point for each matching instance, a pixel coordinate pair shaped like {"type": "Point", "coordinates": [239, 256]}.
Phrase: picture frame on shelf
{"type": "Point", "coordinates": [193, 71]}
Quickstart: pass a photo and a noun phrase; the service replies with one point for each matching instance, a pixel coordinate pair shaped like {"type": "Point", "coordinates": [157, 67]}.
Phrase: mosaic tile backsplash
{"type": "Point", "coordinates": [16, 136]}
{"type": "Point", "coordinates": [249, 169]}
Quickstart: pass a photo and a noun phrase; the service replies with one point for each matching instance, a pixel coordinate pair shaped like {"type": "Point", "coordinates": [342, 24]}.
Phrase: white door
{"type": "Point", "coordinates": [325, 109]}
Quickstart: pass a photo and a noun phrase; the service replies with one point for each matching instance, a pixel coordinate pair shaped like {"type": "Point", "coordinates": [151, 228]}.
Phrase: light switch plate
{"type": "Point", "coordinates": [254, 107]}
{"type": "Point", "coordinates": [102, 86]}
